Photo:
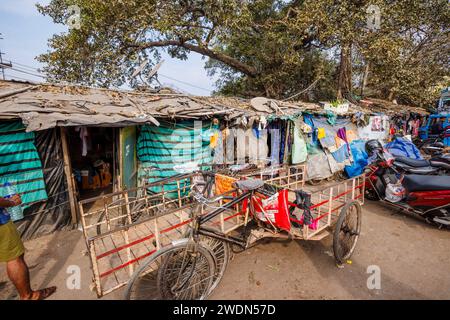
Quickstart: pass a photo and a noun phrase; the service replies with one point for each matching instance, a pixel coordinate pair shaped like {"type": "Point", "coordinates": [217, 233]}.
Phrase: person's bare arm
{"type": "Point", "coordinates": [11, 202]}
{"type": "Point", "coordinates": [6, 203]}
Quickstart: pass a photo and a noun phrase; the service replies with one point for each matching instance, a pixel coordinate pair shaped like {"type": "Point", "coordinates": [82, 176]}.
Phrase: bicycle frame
{"type": "Point", "coordinates": [199, 229]}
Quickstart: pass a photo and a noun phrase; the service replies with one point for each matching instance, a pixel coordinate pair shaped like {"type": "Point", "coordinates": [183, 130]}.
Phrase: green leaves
{"type": "Point", "coordinates": [274, 48]}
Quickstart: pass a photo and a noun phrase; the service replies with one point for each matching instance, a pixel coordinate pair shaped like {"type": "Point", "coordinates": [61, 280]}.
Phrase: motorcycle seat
{"type": "Point", "coordinates": [413, 162]}
{"type": "Point", "coordinates": [414, 183]}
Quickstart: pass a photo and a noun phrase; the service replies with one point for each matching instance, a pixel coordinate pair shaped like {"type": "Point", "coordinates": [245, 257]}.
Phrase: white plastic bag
{"type": "Point", "coordinates": [395, 192]}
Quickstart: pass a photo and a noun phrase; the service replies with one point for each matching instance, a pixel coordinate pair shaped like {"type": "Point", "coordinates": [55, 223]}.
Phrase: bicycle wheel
{"type": "Point", "coordinates": [221, 254]}
{"type": "Point", "coordinates": [183, 271]}
{"type": "Point", "coordinates": [347, 231]}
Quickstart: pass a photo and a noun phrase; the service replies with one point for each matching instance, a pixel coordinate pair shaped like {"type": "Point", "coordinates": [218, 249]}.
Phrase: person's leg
{"type": "Point", "coordinates": [19, 275]}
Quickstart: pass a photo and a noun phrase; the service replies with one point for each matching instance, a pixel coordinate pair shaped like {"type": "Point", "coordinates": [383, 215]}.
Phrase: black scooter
{"type": "Point", "coordinates": [438, 165]}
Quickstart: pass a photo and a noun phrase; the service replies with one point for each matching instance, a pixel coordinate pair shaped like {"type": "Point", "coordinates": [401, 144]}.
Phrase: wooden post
{"type": "Point", "coordinates": [330, 206]}
{"type": "Point", "coordinates": [68, 174]}
{"type": "Point", "coordinates": [179, 193]}
{"type": "Point", "coordinates": [98, 284]}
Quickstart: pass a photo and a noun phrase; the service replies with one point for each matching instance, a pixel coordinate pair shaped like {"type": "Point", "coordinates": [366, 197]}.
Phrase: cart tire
{"type": "Point", "coordinates": [154, 280]}
{"type": "Point", "coordinates": [347, 231]}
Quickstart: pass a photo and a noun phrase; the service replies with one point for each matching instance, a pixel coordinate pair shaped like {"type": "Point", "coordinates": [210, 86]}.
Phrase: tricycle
{"type": "Point", "coordinates": [180, 247]}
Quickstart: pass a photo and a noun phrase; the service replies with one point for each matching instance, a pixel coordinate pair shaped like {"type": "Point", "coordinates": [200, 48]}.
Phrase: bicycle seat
{"type": "Point", "coordinates": [249, 185]}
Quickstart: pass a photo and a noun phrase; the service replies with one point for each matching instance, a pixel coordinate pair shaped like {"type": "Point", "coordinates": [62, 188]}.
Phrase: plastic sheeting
{"type": "Point", "coordinates": [318, 166]}
{"type": "Point", "coordinates": [54, 213]}
{"type": "Point", "coordinates": [359, 154]}
{"type": "Point", "coordinates": [20, 164]}
{"type": "Point", "coordinates": [403, 147]}
{"type": "Point", "coordinates": [171, 145]}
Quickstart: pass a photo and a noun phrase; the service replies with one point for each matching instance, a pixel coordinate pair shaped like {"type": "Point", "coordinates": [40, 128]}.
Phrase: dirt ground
{"type": "Point", "coordinates": [413, 258]}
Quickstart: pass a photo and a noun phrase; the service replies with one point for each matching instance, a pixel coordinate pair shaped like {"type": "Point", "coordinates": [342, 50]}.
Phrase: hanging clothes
{"type": "Point", "coordinates": [299, 150]}
{"type": "Point", "coordinates": [257, 148]}
{"type": "Point", "coordinates": [331, 117]}
{"type": "Point", "coordinates": [213, 140]}
{"type": "Point", "coordinates": [283, 141]}
{"type": "Point", "coordinates": [307, 118]}
{"type": "Point", "coordinates": [416, 126]}
{"type": "Point", "coordinates": [328, 142]}
{"type": "Point", "coordinates": [342, 133]}
{"type": "Point", "coordinates": [321, 133]}
{"type": "Point", "coordinates": [339, 142]}
{"type": "Point", "coordinates": [230, 136]}
{"type": "Point", "coordinates": [218, 149]}
{"type": "Point", "coordinates": [341, 154]}
{"type": "Point", "coordinates": [351, 136]}
{"type": "Point", "coordinates": [240, 146]}
{"type": "Point", "coordinates": [275, 143]}
{"type": "Point", "coordinates": [84, 134]}
{"type": "Point", "coordinates": [290, 142]}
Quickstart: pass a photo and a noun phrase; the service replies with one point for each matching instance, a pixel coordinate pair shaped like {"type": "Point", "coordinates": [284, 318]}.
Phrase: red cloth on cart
{"type": "Point", "coordinates": [274, 210]}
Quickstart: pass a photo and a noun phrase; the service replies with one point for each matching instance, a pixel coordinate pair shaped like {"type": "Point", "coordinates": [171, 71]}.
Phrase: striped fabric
{"type": "Point", "coordinates": [169, 145]}
{"type": "Point", "coordinates": [20, 163]}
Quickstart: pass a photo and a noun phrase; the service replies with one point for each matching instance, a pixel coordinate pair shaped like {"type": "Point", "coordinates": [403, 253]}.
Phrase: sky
{"type": "Point", "coordinates": [25, 33]}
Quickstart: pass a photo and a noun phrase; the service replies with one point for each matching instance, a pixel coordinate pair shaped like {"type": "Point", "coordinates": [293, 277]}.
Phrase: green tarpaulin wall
{"type": "Point", "coordinates": [20, 163]}
{"type": "Point", "coordinates": [172, 145]}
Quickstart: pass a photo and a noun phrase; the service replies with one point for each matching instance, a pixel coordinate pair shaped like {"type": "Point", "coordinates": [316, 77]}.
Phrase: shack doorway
{"type": "Point", "coordinates": [92, 157]}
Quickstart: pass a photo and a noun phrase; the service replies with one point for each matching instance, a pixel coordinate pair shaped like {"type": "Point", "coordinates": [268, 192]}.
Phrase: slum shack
{"type": "Point", "coordinates": [61, 144]}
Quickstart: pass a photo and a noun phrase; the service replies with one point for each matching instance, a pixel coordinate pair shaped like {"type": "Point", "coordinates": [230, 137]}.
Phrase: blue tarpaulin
{"type": "Point", "coordinates": [404, 148]}
{"type": "Point", "coordinates": [359, 154]}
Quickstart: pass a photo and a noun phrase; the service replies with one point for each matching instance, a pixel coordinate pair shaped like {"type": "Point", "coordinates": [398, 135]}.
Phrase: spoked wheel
{"type": "Point", "coordinates": [220, 251]}
{"type": "Point", "coordinates": [221, 255]}
{"type": "Point", "coordinates": [184, 271]}
{"type": "Point", "coordinates": [347, 231]}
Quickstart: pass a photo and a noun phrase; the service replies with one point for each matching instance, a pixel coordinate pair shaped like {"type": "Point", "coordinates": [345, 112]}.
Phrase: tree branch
{"type": "Point", "coordinates": [232, 62]}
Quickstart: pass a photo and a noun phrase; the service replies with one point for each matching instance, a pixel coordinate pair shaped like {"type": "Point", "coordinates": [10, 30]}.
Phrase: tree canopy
{"type": "Point", "coordinates": [275, 48]}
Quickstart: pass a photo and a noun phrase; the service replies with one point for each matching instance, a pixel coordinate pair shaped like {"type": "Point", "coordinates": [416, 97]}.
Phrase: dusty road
{"type": "Point", "coordinates": [414, 260]}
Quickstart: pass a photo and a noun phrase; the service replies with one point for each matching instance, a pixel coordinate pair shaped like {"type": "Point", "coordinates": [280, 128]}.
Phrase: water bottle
{"type": "Point", "coordinates": [16, 212]}
{"type": "Point", "coordinates": [4, 216]}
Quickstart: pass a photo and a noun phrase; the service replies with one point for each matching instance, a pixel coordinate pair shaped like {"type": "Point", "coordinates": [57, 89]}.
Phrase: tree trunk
{"type": "Point", "coordinates": [345, 71]}
{"type": "Point", "coordinates": [365, 78]}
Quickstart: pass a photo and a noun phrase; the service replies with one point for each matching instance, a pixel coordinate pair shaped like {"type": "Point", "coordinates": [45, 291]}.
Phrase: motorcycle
{"type": "Point", "coordinates": [422, 195]}
{"type": "Point", "coordinates": [434, 146]}
{"type": "Point", "coordinates": [438, 165]}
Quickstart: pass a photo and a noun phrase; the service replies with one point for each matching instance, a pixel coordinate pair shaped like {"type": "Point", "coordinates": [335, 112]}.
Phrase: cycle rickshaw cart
{"type": "Point", "coordinates": [175, 243]}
